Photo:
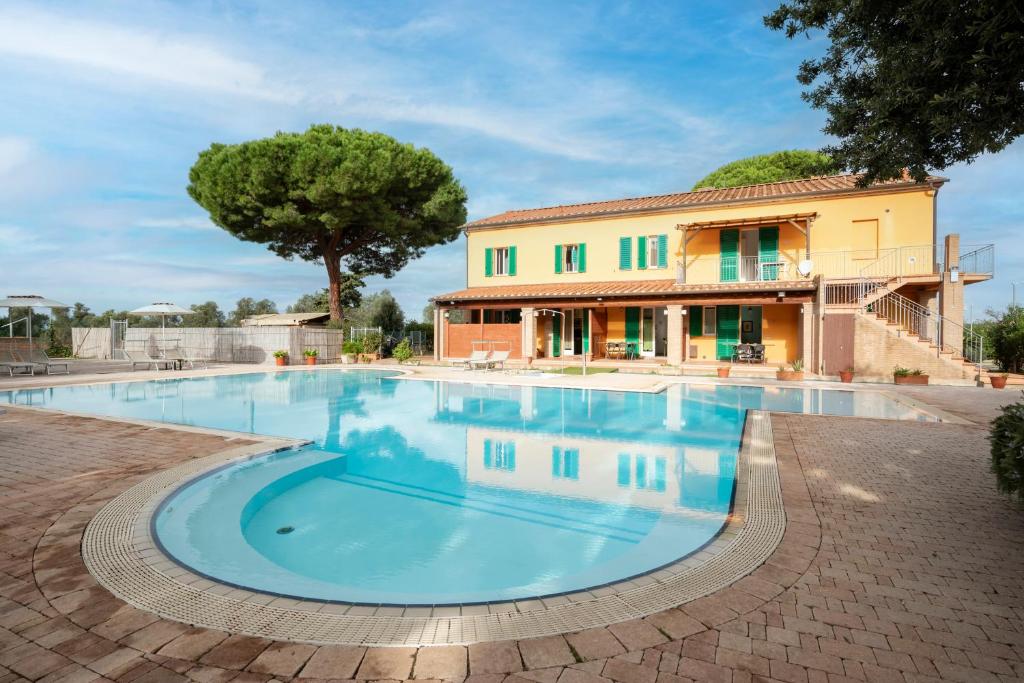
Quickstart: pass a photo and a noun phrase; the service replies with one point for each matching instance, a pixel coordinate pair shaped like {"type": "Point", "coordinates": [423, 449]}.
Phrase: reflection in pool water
{"type": "Point", "coordinates": [432, 493]}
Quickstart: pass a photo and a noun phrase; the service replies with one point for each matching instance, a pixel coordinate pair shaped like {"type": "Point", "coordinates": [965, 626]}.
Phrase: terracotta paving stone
{"type": "Point", "coordinates": [496, 657]}
{"type": "Point", "coordinates": [335, 661]}
{"type": "Point", "coordinates": [155, 636]}
{"type": "Point", "coordinates": [637, 634]}
{"type": "Point", "coordinates": [285, 659]}
{"type": "Point", "coordinates": [539, 653]}
{"type": "Point", "coordinates": [595, 643]}
{"type": "Point", "coordinates": [619, 670]}
{"type": "Point", "coordinates": [236, 652]}
{"type": "Point", "coordinates": [393, 663]}
{"type": "Point", "coordinates": [446, 662]}
{"type": "Point", "coordinates": [193, 643]}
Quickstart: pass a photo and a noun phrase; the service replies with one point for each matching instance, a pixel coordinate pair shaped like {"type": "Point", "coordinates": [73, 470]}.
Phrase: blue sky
{"type": "Point", "coordinates": [106, 106]}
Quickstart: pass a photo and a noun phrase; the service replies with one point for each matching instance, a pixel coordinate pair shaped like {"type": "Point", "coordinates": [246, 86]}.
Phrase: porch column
{"type": "Point", "coordinates": [806, 329]}
{"type": "Point", "coordinates": [675, 334]}
{"type": "Point", "coordinates": [438, 332]}
{"type": "Point", "coordinates": [930, 300]}
{"type": "Point", "coordinates": [951, 298]}
{"type": "Point", "coordinates": [528, 327]}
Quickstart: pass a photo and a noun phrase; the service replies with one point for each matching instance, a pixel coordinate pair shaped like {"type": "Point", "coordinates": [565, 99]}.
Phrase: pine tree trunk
{"type": "Point", "coordinates": [333, 263]}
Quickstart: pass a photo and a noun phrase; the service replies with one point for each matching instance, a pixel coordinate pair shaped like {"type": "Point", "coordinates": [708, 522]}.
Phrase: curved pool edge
{"type": "Point", "coordinates": [120, 552]}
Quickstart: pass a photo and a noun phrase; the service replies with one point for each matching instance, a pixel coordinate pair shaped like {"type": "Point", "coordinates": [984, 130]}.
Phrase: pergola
{"type": "Point", "coordinates": [691, 230]}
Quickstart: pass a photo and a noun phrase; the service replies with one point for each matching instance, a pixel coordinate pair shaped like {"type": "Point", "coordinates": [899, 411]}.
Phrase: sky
{"type": "Point", "coordinates": [105, 106]}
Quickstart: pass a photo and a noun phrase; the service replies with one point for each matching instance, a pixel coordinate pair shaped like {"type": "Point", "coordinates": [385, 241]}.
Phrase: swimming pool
{"type": "Point", "coordinates": [416, 492]}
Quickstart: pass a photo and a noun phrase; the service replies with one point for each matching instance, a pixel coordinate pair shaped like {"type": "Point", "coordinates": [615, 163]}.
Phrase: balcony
{"type": "Point", "coordinates": [923, 260]}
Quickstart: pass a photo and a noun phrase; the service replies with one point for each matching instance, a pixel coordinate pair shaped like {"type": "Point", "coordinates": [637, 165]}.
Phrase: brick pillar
{"type": "Point", "coordinates": [806, 329]}
{"type": "Point", "coordinates": [675, 334]}
{"type": "Point", "coordinates": [438, 332]}
{"type": "Point", "coordinates": [951, 298]}
{"type": "Point", "coordinates": [529, 330]}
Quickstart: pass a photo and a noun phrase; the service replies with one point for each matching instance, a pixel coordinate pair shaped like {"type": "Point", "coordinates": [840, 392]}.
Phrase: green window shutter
{"type": "Point", "coordinates": [768, 251]}
{"type": "Point", "coordinates": [511, 260]}
{"type": "Point", "coordinates": [641, 252]}
{"type": "Point", "coordinates": [633, 325]}
{"type": "Point", "coordinates": [728, 331]}
{"type": "Point", "coordinates": [488, 262]}
{"type": "Point", "coordinates": [663, 251]}
{"type": "Point", "coordinates": [729, 266]}
{"type": "Point", "coordinates": [582, 258]}
{"type": "Point", "coordinates": [586, 330]}
{"type": "Point", "coordinates": [696, 321]}
{"type": "Point", "coordinates": [558, 258]}
{"type": "Point", "coordinates": [556, 334]}
{"type": "Point", "coordinates": [625, 253]}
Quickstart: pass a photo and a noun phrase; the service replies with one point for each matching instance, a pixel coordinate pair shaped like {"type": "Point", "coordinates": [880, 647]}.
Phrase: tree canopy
{"type": "Point", "coordinates": [248, 307]}
{"type": "Point", "coordinates": [767, 168]}
{"type": "Point", "coordinates": [921, 84]}
{"type": "Point", "coordinates": [332, 195]}
{"type": "Point", "coordinates": [319, 302]}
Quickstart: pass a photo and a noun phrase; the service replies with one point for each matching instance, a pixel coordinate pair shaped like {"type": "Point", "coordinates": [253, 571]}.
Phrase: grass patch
{"type": "Point", "coordinates": [577, 370]}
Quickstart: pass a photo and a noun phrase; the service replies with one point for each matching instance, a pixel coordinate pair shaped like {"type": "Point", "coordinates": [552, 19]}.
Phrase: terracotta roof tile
{"type": "Point", "coordinates": [786, 188]}
{"type": "Point", "coordinates": [609, 289]}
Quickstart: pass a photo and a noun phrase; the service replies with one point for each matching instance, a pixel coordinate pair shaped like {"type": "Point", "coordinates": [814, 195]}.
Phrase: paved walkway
{"type": "Point", "coordinates": [900, 563]}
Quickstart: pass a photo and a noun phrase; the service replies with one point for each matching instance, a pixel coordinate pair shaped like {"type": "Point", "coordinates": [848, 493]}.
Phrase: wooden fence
{"type": "Point", "coordinates": [220, 344]}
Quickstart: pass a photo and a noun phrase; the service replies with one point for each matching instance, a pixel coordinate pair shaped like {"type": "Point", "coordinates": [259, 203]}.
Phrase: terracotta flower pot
{"type": "Point", "coordinates": [310, 360]}
{"type": "Point", "coordinates": [998, 381]}
{"type": "Point", "coordinates": [723, 372]}
{"type": "Point", "coordinates": [846, 376]}
{"type": "Point", "coordinates": [789, 375]}
{"type": "Point", "coordinates": [910, 379]}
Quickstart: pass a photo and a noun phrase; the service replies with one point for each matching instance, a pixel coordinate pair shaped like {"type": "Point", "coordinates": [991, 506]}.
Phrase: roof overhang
{"type": "Point", "coordinates": [747, 222]}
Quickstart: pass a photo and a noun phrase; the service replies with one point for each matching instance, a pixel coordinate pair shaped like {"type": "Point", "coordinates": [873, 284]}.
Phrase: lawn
{"type": "Point", "coordinates": [577, 370]}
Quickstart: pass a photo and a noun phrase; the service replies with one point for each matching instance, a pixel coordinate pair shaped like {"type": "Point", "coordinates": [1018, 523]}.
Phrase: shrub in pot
{"type": "Point", "coordinates": [998, 381]}
{"type": "Point", "coordinates": [1006, 435]}
{"type": "Point", "coordinates": [908, 376]}
{"type": "Point", "coordinates": [794, 374]}
{"type": "Point", "coordinates": [370, 350]}
{"type": "Point", "coordinates": [350, 351]}
{"type": "Point", "coordinates": [403, 351]}
{"type": "Point", "coordinates": [846, 376]}
{"type": "Point", "coordinates": [281, 357]}
{"type": "Point", "coordinates": [310, 356]}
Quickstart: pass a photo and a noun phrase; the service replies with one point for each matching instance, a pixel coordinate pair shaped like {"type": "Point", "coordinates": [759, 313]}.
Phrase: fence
{"type": "Point", "coordinates": [219, 344]}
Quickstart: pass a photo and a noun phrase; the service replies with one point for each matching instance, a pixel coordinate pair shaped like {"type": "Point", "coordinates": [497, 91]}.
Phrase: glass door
{"type": "Point", "coordinates": [647, 333]}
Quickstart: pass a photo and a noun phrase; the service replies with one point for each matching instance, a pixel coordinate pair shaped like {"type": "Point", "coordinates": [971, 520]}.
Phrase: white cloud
{"type": "Point", "coordinates": [177, 60]}
{"type": "Point", "coordinates": [177, 223]}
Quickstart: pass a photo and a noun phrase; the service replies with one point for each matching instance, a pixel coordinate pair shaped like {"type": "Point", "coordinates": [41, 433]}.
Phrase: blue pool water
{"type": "Point", "coordinates": [417, 492]}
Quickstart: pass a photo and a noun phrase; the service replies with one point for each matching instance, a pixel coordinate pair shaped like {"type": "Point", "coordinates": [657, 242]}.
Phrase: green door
{"type": "Point", "coordinates": [728, 331]}
{"type": "Point", "coordinates": [633, 329]}
{"type": "Point", "coordinates": [556, 336]}
{"type": "Point", "coordinates": [729, 265]}
{"type": "Point", "coordinates": [768, 252]}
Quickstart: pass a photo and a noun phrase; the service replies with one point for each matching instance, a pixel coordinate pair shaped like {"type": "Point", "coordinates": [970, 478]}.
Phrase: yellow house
{"type": "Point", "coordinates": [811, 270]}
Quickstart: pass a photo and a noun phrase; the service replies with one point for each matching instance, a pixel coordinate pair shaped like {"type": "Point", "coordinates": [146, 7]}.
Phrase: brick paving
{"type": "Point", "coordinates": [899, 563]}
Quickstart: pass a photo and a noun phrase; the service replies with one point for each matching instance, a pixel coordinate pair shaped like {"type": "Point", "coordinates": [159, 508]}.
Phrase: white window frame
{"type": "Point", "coordinates": [502, 261]}
{"type": "Point", "coordinates": [710, 325]}
{"type": "Point", "coordinates": [569, 264]}
{"type": "Point", "coordinates": [652, 252]}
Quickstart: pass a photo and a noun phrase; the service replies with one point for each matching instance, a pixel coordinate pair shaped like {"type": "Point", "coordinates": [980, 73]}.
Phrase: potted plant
{"type": "Point", "coordinates": [794, 374]}
{"type": "Point", "coordinates": [350, 351]}
{"type": "Point", "coordinates": [846, 376]}
{"type": "Point", "coordinates": [281, 357]}
{"type": "Point", "coordinates": [403, 351]}
{"type": "Point", "coordinates": [370, 347]}
{"type": "Point", "coordinates": [724, 371]}
{"type": "Point", "coordinates": [310, 355]}
{"type": "Point", "coordinates": [908, 376]}
{"type": "Point", "coordinates": [998, 380]}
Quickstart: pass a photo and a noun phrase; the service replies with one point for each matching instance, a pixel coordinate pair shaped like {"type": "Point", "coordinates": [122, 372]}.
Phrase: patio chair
{"type": "Point", "coordinates": [497, 359]}
{"type": "Point", "coordinates": [143, 358]}
{"type": "Point", "coordinates": [757, 354]}
{"type": "Point", "coordinates": [10, 363]}
{"type": "Point", "coordinates": [742, 353]}
{"type": "Point", "coordinates": [475, 359]}
{"type": "Point", "coordinates": [183, 357]}
{"type": "Point", "coordinates": [39, 357]}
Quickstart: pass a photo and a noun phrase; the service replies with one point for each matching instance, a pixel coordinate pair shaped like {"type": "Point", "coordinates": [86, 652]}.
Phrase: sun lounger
{"type": "Point", "coordinates": [39, 357]}
{"type": "Point", "coordinates": [142, 358]}
{"type": "Point", "coordinates": [183, 357]}
{"type": "Point", "coordinates": [498, 358]}
{"type": "Point", "coordinates": [9, 363]}
{"type": "Point", "coordinates": [476, 360]}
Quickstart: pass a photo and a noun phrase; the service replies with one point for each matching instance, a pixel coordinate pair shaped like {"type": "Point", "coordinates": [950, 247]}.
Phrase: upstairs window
{"type": "Point", "coordinates": [570, 258]}
{"type": "Point", "coordinates": [499, 261]}
{"type": "Point", "coordinates": [652, 252]}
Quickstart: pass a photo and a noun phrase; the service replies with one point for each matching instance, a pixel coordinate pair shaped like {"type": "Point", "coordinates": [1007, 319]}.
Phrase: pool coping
{"type": "Point", "coordinates": [120, 552]}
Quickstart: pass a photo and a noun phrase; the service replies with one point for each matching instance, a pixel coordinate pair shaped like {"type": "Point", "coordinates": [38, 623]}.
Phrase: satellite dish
{"type": "Point", "coordinates": [805, 267]}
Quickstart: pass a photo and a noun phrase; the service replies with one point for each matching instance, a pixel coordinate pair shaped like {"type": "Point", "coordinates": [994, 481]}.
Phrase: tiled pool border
{"type": "Point", "coordinates": [119, 550]}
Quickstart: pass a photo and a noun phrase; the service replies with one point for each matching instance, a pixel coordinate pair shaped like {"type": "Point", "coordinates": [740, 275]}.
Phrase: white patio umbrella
{"type": "Point", "coordinates": [31, 301]}
{"type": "Point", "coordinates": [162, 309]}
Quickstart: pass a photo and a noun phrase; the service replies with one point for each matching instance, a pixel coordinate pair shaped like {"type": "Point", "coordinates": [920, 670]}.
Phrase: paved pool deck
{"type": "Point", "coordinates": [900, 562]}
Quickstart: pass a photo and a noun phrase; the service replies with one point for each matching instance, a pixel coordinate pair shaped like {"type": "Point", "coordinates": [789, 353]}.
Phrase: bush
{"type": "Point", "coordinates": [371, 342]}
{"type": "Point", "coordinates": [1007, 438]}
{"type": "Point", "coordinates": [351, 347]}
{"type": "Point", "coordinates": [403, 351]}
{"type": "Point", "coordinates": [1007, 337]}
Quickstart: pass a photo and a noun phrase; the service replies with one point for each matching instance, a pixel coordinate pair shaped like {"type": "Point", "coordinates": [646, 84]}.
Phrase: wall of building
{"type": "Point", "coordinates": [460, 338]}
{"type": "Point", "coordinates": [893, 219]}
{"type": "Point", "coordinates": [877, 351]}
{"type": "Point", "coordinates": [780, 332]}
